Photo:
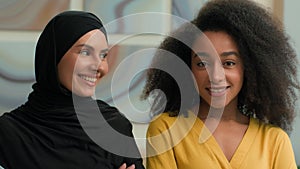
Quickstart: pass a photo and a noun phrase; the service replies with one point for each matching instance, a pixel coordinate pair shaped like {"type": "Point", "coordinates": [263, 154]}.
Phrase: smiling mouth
{"type": "Point", "coordinates": [217, 91]}
{"type": "Point", "coordinates": [88, 78]}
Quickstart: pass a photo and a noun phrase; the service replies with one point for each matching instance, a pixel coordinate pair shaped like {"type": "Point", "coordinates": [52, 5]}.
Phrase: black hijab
{"type": "Point", "coordinates": [45, 132]}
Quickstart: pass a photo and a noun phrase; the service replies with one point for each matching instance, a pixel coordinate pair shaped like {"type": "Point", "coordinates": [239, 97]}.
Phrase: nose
{"type": "Point", "coordinates": [216, 73]}
{"type": "Point", "coordinates": [97, 64]}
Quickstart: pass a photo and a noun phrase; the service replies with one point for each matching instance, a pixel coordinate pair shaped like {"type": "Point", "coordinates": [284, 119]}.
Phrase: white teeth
{"type": "Point", "coordinates": [90, 79]}
{"type": "Point", "coordinates": [217, 90]}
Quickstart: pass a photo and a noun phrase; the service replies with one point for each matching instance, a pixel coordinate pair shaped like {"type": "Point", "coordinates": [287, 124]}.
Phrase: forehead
{"type": "Point", "coordinates": [214, 41]}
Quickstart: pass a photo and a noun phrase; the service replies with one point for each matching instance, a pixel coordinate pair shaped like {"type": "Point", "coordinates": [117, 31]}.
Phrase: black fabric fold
{"type": "Point", "coordinates": [45, 132]}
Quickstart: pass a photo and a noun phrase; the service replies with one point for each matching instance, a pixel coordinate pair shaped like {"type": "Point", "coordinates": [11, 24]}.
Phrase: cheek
{"type": "Point", "coordinates": [105, 68]}
{"type": "Point", "coordinates": [200, 78]}
{"type": "Point", "coordinates": [65, 73]}
{"type": "Point", "coordinates": [74, 67]}
{"type": "Point", "coordinates": [240, 75]}
{"type": "Point", "coordinates": [236, 77]}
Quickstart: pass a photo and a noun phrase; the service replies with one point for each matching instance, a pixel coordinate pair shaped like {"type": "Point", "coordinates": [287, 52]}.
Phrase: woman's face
{"type": "Point", "coordinates": [84, 64]}
{"type": "Point", "coordinates": [217, 68]}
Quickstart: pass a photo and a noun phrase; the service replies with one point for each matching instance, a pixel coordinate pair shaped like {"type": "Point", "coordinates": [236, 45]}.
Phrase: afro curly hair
{"type": "Point", "coordinates": [270, 63]}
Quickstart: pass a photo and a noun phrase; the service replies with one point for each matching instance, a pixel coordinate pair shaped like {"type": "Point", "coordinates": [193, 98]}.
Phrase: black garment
{"type": "Point", "coordinates": [45, 132]}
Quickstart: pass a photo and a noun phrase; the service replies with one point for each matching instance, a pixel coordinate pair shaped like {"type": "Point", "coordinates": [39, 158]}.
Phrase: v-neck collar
{"type": "Point", "coordinates": [206, 137]}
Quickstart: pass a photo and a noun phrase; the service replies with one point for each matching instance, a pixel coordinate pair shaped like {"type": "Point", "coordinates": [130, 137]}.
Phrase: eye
{"type": "Point", "coordinates": [229, 64]}
{"type": "Point", "coordinates": [84, 52]}
{"type": "Point", "coordinates": [202, 64]}
{"type": "Point", "coordinates": [103, 55]}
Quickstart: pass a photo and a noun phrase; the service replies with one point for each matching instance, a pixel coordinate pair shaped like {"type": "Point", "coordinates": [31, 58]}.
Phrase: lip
{"type": "Point", "coordinates": [90, 80]}
{"type": "Point", "coordinates": [217, 91]}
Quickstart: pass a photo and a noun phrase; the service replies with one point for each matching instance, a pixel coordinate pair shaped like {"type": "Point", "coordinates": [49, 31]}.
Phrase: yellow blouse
{"type": "Point", "coordinates": [180, 143]}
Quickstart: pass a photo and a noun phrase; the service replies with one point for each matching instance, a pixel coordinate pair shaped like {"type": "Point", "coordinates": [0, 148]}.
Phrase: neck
{"type": "Point", "coordinates": [228, 113]}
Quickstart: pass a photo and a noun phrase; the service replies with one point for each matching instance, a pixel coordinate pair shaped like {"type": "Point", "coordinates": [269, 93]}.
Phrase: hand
{"type": "Point", "coordinates": [124, 166]}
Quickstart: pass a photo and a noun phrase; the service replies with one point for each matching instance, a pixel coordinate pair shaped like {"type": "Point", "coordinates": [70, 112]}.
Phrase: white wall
{"type": "Point", "coordinates": [292, 24]}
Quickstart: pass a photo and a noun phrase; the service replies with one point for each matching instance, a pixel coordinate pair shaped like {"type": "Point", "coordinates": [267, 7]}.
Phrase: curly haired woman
{"type": "Point", "coordinates": [245, 75]}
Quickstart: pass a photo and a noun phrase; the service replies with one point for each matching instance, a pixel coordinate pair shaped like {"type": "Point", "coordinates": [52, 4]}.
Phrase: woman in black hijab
{"type": "Point", "coordinates": [61, 126]}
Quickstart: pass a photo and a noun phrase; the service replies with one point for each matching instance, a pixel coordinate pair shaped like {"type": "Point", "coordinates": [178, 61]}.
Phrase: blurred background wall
{"type": "Point", "coordinates": [292, 24]}
{"type": "Point", "coordinates": [135, 28]}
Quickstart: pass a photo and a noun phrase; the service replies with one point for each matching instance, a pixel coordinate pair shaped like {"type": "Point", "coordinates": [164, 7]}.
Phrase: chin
{"type": "Point", "coordinates": [218, 104]}
{"type": "Point", "coordinates": [84, 93]}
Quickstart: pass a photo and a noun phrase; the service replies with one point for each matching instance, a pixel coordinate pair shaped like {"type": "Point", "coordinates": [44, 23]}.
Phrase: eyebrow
{"type": "Point", "coordinates": [92, 48]}
{"type": "Point", "coordinates": [204, 54]}
{"type": "Point", "coordinates": [224, 54]}
{"type": "Point", "coordinates": [104, 50]}
{"type": "Point", "coordinates": [85, 45]}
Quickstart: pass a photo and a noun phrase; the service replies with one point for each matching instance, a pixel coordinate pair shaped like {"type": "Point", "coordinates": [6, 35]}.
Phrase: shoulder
{"type": "Point", "coordinates": [110, 112]}
{"type": "Point", "coordinates": [5, 121]}
{"type": "Point", "coordinates": [163, 118]}
{"type": "Point", "coordinates": [170, 125]}
{"type": "Point", "coordinates": [276, 145]}
{"type": "Point", "coordinates": [9, 129]}
{"type": "Point", "coordinates": [270, 132]}
{"type": "Point", "coordinates": [3, 124]}
{"type": "Point", "coordinates": [161, 122]}
{"type": "Point", "coordinates": [115, 118]}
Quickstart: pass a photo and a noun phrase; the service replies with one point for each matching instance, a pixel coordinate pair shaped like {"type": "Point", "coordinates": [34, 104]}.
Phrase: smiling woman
{"type": "Point", "coordinates": [219, 72]}
{"type": "Point", "coordinates": [84, 64]}
{"type": "Point", "coordinates": [47, 132]}
{"type": "Point", "coordinates": [243, 70]}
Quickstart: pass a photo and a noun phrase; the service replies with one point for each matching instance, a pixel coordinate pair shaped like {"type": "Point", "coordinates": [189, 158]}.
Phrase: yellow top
{"type": "Point", "coordinates": [180, 143]}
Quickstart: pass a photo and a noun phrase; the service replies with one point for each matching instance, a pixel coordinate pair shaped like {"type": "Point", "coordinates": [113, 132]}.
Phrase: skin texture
{"type": "Point", "coordinates": [124, 166]}
{"type": "Point", "coordinates": [270, 62]}
{"type": "Point", "coordinates": [84, 64]}
{"type": "Point", "coordinates": [219, 73]}
{"type": "Point", "coordinates": [262, 82]}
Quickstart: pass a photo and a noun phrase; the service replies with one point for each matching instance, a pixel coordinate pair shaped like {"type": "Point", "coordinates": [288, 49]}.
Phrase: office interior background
{"type": "Point", "coordinates": [135, 28]}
